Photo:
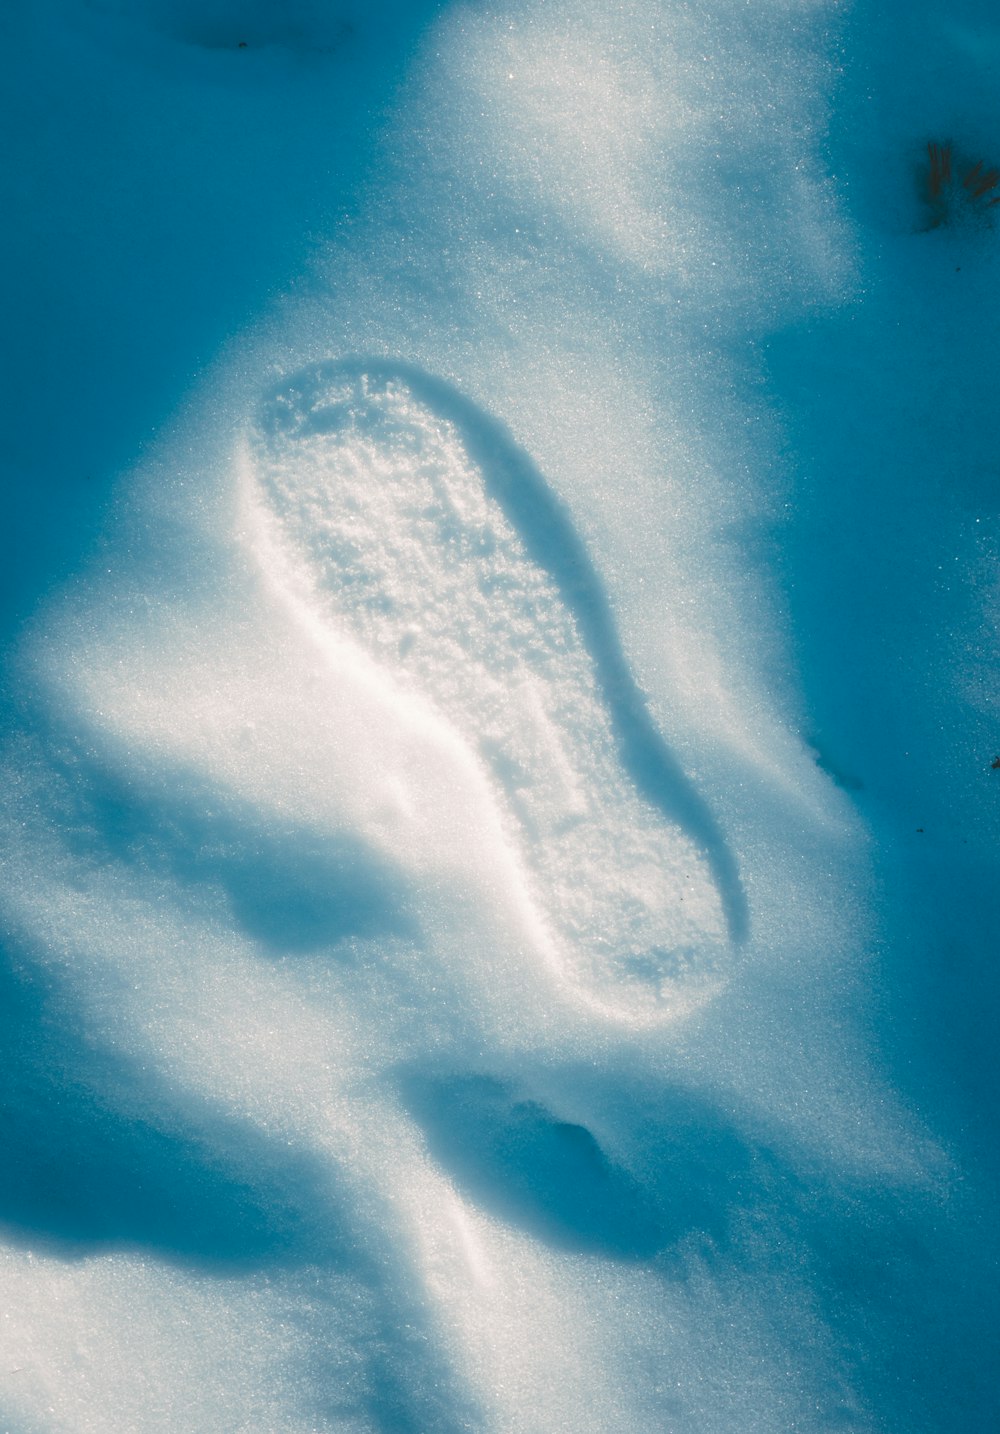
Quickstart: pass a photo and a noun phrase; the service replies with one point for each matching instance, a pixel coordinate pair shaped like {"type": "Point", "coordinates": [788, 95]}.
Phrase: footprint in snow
{"type": "Point", "coordinates": [416, 526]}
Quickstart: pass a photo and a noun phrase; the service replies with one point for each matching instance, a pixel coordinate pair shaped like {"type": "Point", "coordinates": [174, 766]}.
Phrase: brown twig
{"type": "Point", "coordinates": [954, 186]}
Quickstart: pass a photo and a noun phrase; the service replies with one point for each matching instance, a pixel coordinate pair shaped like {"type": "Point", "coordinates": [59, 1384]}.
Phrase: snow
{"type": "Point", "coordinates": [501, 586]}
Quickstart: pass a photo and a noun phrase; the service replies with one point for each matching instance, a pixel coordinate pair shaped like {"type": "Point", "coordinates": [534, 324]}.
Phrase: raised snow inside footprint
{"type": "Point", "coordinates": [413, 525]}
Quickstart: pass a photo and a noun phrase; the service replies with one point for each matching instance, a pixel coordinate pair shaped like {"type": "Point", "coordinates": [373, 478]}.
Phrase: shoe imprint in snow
{"type": "Point", "coordinates": [420, 530]}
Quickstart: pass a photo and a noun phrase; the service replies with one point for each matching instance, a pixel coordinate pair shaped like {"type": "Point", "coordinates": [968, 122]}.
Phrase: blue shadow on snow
{"type": "Point", "coordinates": [289, 888]}
{"type": "Point", "coordinates": [99, 1155]}
{"type": "Point", "coordinates": [551, 1177]}
{"type": "Point", "coordinates": [176, 162]}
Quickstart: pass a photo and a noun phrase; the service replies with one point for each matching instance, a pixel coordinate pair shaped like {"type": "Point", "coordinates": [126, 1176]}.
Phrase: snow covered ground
{"type": "Point", "coordinates": [501, 576]}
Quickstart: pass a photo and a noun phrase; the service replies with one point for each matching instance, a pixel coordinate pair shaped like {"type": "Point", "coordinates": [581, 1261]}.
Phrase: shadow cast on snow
{"type": "Point", "coordinates": [289, 888]}
{"type": "Point", "coordinates": [714, 1191]}
{"type": "Point", "coordinates": [549, 1176]}
{"type": "Point", "coordinates": [100, 1157]}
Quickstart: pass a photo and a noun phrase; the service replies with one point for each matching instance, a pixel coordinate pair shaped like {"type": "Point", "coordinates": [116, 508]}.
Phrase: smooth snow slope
{"type": "Point", "coordinates": [497, 804]}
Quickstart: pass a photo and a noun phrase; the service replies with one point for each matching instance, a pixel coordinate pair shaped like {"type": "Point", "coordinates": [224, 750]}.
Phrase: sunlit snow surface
{"type": "Point", "coordinates": [499, 884]}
